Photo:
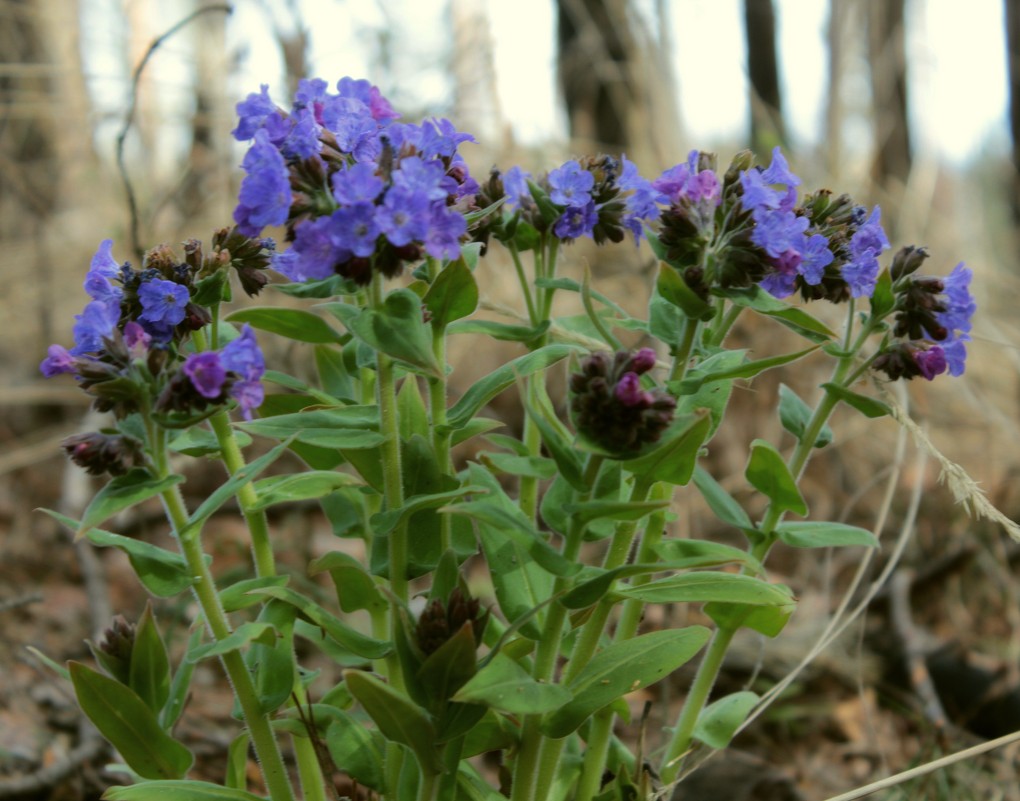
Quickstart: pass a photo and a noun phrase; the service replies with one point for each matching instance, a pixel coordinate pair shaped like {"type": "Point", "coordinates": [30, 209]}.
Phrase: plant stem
{"type": "Point", "coordinates": [726, 322]}
{"type": "Point", "coordinates": [707, 673]}
{"type": "Point", "coordinates": [682, 352]}
{"type": "Point", "coordinates": [266, 748]}
{"type": "Point", "coordinates": [440, 437]}
{"type": "Point", "coordinates": [525, 286]}
{"type": "Point", "coordinates": [393, 485]}
{"type": "Point", "coordinates": [527, 767]}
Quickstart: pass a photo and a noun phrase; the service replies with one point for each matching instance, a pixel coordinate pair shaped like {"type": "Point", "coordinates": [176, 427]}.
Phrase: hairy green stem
{"type": "Point", "coordinates": [682, 352]}
{"type": "Point", "coordinates": [266, 748]}
{"type": "Point", "coordinates": [527, 767]}
{"type": "Point", "coordinates": [440, 437]}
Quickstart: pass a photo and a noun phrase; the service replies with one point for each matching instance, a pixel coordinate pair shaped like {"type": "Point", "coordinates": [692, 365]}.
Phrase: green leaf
{"type": "Point", "coordinates": [447, 668]}
{"type": "Point", "coordinates": [330, 287]}
{"type": "Point", "coordinates": [670, 285]}
{"type": "Point", "coordinates": [869, 407]}
{"type": "Point", "coordinates": [299, 487]}
{"type": "Point", "coordinates": [178, 791]}
{"type": "Point", "coordinates": [767, 620]}
{"type": "Point", "coordinates": [353, 640]}
{"type": "Point", "coordinates": [882, 298]}
{"type": "Point", "coordinates": [397, 716]}
{"type": "Point", "coordinates": [350, 427]}
{"type": "Point", "coordinates": [673, 461]}
{"type": "Point", "coordinates": [358, 752]}
{"type": "Point", "coordinates": [571, 285]}
{"type": "Point", "coordinates": [180, 687]}
{"type": "Point", "coordinates": [622, 668]}
{"type": "Point", "coordinates": [665, 321]}
{"type": "Point", "coordinates": [501, 331]}
{"type": "Point", "coordinates": [533, 466]}
{"type": "Point", "coordinates": [236, 596]}
{"type": "Point", "coordinates": [710, 585]}
{"type": "Point", "coordinates": [229, 488]}
{"type": "Point", "coordinates": [557, 442]}
{"type": "Point", "coordinates": [196, 441]}
{"type": "Point", "coordinates": [768, 473]}
{"type": "Point", "coordinates": [504, 685]}
{"type": "Point", "coordinates": [355, 588]}
{"type": "Point", "coordinates": [748, 369]}
{"type": "Point", "coordinates": [587, 511]}
{"type": "Point", "coordinates": [150, 666]}
{"type": "Point", "coordinates": [453, 295]}
{"type": "Point", "coordinates": [332, 370]}
{"type": "Point", "coordinates": [384, 522]}
{"type": "Point", "coordinates": [794, 414]}
{"type": "Point", "coordinates": [411, 411]}
{"type": "Point", "coordinates": [396, 329]}
{"type": "Point", "coordinates": [719, 721]}
{"type": "Point", "coordinates": [237, 762]}
{"type": "Point", "coordinates": [271, 658]}
{"type": "Point", "coordinates": [723, 505]}
{"type": "Point", "coordinates": [212, 290]}
{"type": "Point", "coordinates": [296, 324]}
{"type": "Point", "coordinates": [487, 388]}
{"type": "Point", "coordinates": [683, 554]}
{"type": "Point", "coordinates": [810, 534]}
{"type": "Point", "coordinates": [163, 572]}
{"type": "Point", "coordinates": [243, 636]}
{"type": "Point", "coordinates": [131, 727]}
{"type": "Point", "coordinates": [122, 493]}
{"type": "Point", "coordinates": [792, 317]}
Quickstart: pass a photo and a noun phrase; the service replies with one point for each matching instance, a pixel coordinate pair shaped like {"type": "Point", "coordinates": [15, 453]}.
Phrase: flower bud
{"type": "Point", "coordinates": [440, 621]}
{"type": "Point", "coordinates": [113, 651]}
{"type": "Point", "coordinates": [907, 261]}
{"type": "Point", "coordinates": [101, 453]}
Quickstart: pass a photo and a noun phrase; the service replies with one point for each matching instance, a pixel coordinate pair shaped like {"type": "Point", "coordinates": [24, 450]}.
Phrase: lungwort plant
{"type": "Point", "coordinates": [498, 607]}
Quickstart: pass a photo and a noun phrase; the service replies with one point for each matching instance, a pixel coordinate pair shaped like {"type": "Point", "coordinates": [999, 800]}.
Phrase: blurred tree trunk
{"type": "Point", "coordinates": [835, 34]}
{"type": "Point", "coordinates": [596, 52]}
{"type": "Point", "coordinates": [205, 190]}
{"type": "Point", "coordinates": [292, 35]}
{"type": "Point", "coordinates": [1013, 56]}
{"type": "Point", "coordinates": [476, 100]}
{"type": "Point", "coordinates": [766, 103]}
{"type": "Point", "coordinates": [45, 140]}
{"type": "Point", "coordinates": [888, 61]}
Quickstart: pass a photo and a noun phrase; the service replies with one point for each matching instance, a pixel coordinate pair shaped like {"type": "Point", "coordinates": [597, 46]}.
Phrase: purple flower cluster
{"type": "Point", "coordinates": [780, 232]}
{"type": "Point", "coordinates": [358, 189]}
{"type": "Point", "coordinates": [235, 371]}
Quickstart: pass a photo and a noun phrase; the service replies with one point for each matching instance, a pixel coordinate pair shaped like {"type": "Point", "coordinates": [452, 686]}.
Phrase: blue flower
{"type": "Point", "coordinates": [253, 112]}
{"type": "Point", "coordinates": [357, 183]}
{"type": "Point", "coordinates": [439, 138]}
{"type": "Point", "coordinates": [404, 216]}
{"type": "Point", "coordinates": [515, 187]}
{"type": "Point", "coordinates": [354, 228]}
{"type": "Point", "coordinates": [58, 360]}
{"type": "Point", "coordinates": [206, 372]}
{"type": "Point", "coordinates": [685, 182]}
{"type": "Point", "coordinates": [313, 255]}
{"type": "Point", "coordinates": [577, 221]}
{"type": "Point", "coordinates": [778, 172]}
{"type": "Point", "coordinates": [777, 231]}
{"type": "Point", "coordinates": [421, 176]}
{"type": "Point", "coordinates": [243, 357]}
{"type": "Point", "coordinates": [571, 185]}
{"type": "Point", "coordinates": [97, 321]}
{"type": "Point", "coordinates": [445, 230]}
{"type": "Point", "coordinates": [265, 197]}
{"type": "Point", "coordinates": [102, 272]}
{"type": "Point", "coordinates": [164, 303]}
{"type": "Point", "coordinates": [960, 304]}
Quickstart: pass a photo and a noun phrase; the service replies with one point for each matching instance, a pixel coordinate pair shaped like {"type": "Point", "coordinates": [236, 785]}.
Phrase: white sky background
{"type": "Point", "coordinates": [956, 54]}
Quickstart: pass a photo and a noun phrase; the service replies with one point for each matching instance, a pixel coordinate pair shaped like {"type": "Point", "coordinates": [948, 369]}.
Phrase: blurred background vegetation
{"type": "Point", "coordinates": [912, 104]}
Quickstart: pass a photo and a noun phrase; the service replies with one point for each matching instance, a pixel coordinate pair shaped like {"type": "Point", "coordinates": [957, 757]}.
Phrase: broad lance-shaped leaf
{"type": "Point", "coordinates": [673, 461]}
{"type": "Point", "coordinates": [794, 414]}
{"type": "Point", "coordinates": [487, 388]}
{"type": "Point", "coordinates": [768, 473]}
{"type": "Point", "coordinates": [335, 427]}
{"type": "Point", "coordinates": [869, 407]}
{"type": "Point", "coordinates": [396, 329]}
{"type": "Point", "coordinates": [397, 716]}
{"type": "Point", "coordinates": [719, 721]}
{"type": "Point", "coordinates": [358, 751]}
{"type": "Point", "coordinates": [149, 674]}
{"type": "Point", "coordinates": [447, 668]}
{"type": "Point", "coordinates": [745, 370]}
{"type": "Point", "coordinates": [229, 488]}
{"type": "Point", "coordinates": [355, 587]}
{"type": "Point", "coordinates": [355, 641]}
{"type": "Point", "coordinates": [131, 727]}
{"type": "Point", "coordinates": [122, 493]}
{"type": "Point", "coordinates": [236, 596]}
{"type": "Point", "coordinates": [453, 295]}
{"type": "Point", "coordinates": [710, 585]}
{"type": "Point", "coordinates": [723, 505]}
{"type": "Point", "coordinates": [622, 668]}
{"type": "Point", "coordinates": [163, 572]}
{"type": "Point", "coordinates": [504, 685]}
{"type": "Point", "coordinates": [240, 638]}
{"type": "Point", "coordinates": [811, 534]}
{"type": "Point", "coordinates": [299, 487]}
{"type": "Point", "coordinates": [793, 317]}
{"type": "Point", "coordinates": [767, 620]}
{"type": "Point", "coordinates": [296, 324]}
{"type": "Point", "coordinates": [178, 791]}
